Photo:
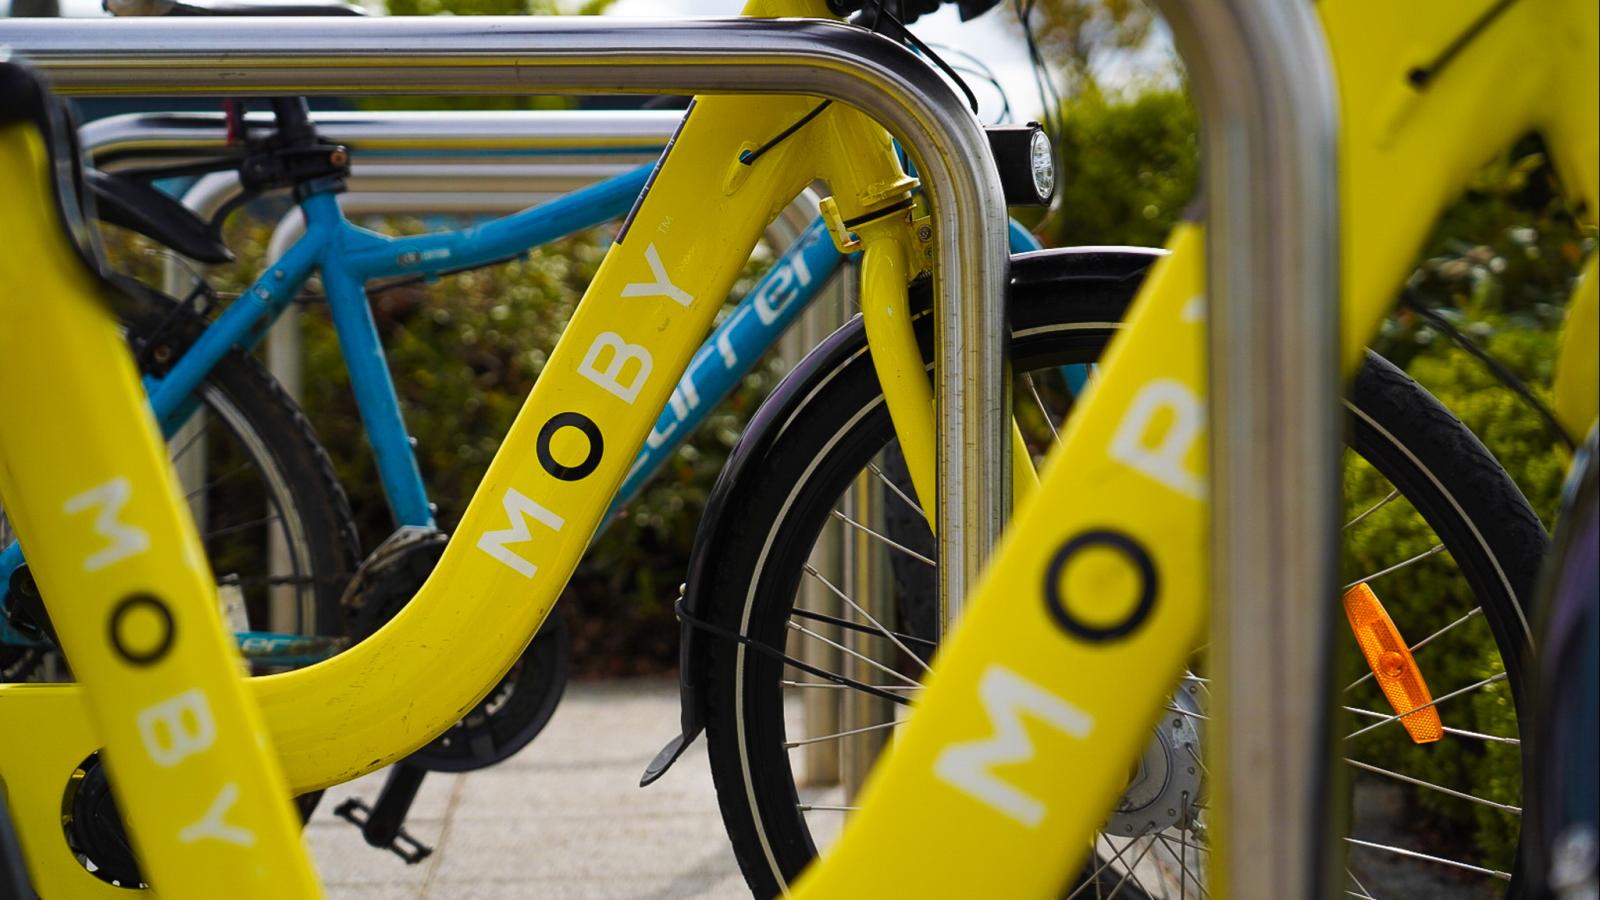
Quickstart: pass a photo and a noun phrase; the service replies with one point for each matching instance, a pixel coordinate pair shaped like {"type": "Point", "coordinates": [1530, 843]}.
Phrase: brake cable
{"type": "Point", "coordinates": [1422, 75]}
{"type": "Point", "coordinates": [1409, 299]}
{"type": "Point", "coordinates": [749, 157]}
{"type": "Point", "coordinates": [715, 630]}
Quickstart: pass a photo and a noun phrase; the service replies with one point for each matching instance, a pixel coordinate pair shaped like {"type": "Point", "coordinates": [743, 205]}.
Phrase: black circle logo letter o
{"type": "Point", "coordinates": [590, 430]}
{"type": "Point", "coordinates": [144, 653]}
{"type": "Point", "coordinates": [1135, 554]}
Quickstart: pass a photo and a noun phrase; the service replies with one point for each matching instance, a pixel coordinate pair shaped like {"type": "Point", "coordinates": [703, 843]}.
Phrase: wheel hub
{"type": "Point", "coordinates": [1164, 788]}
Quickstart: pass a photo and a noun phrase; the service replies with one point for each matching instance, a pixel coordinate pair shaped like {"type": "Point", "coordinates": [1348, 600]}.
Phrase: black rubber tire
{"type": "Point", "coordinates": [286, 441]}
{"type": "Point", "coordinates": [755, 568]}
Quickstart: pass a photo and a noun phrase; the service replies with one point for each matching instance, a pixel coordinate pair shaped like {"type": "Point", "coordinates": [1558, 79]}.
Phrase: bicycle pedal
{"type": "Point", "coordinates": [358, 813]}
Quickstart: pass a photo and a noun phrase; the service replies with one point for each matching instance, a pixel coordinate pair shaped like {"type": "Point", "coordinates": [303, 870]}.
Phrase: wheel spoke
{"type": "Point", "coordinates": [1437, 548]}
{"type": "Point", "coordinates": [1372, 509]}
{"type": "Point", "coordinates": [868, 660]}
{"type": "Point", "coordinates": [880, 726]}
{"type": "Point", "coordinates": [1129, 872]}
{"type": "Point", "coordinates": [1366, 894]}
{"type": "Point", "coordinates": [847, 687]}
{"type": "Point", "coordinates": [188, 444]}
{"type": "Point", "coordinates": [216, 481]}
{"type": "Point", "coordinates": [1449, 792]}
{"type": "Point", "coordinates": [1184, 876]}
{"type": "Point", "coordinates": [1094, 877]}
{"type": "Point", "coordinates": [1458, 732]}
{"type": "Point", "coordinates": [889, 483]}
{"type": "Point", "coordinates": [857, 627]}
{"type": "Point", "coordinates": [1474, 613]}
{"type": "Point", "coordinates": [1434, 702]}
{"type": "Point", "coordinates": [1399, 851]}
{"type": "Point", "coordinates": [891, 543]}
{"type": "Point", "coordinates": [811, 570]}
{"type": "Point", "coordinates": [1027, 378]}
{"type": "Point", "coordinates": [241, 526]}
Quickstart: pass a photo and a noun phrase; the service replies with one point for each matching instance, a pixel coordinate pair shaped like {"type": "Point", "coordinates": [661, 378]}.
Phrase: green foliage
{"type": "Point", "coordinates": [1128, 167]}
{"type": "Point", "coordinates": [1075, 35]}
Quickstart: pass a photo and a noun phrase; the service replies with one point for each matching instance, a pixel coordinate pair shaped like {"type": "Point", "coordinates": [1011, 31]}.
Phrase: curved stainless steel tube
{"type": "Point", "coordinates": [1268, 104]}
{"type": "Point", "coordinates": [526, 55]}
{"type": "Point", "coordinates": [621, 137]}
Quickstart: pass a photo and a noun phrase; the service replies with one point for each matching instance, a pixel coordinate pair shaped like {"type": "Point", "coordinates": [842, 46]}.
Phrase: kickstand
{"type": "Point", "coordinates": [383, 823]}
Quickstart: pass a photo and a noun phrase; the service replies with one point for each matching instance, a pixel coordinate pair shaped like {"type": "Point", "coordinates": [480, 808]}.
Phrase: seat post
{"type": "Point", "coordinates": [294, 120]}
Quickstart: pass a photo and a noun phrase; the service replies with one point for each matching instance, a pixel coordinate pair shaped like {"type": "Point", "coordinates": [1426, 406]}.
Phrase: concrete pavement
{"type": "Point", "coordinates": [565, 818]}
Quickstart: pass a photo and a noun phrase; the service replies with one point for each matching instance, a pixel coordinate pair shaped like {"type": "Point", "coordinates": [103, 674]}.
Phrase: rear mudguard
{"type": "Point", "coordinates": [1055, 271]}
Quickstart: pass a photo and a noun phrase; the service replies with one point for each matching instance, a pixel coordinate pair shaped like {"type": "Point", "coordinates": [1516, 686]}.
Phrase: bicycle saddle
{"type": "Point", "coordinates": [231, 8]}
{"type": "Point", "coordinates": [139, 207]}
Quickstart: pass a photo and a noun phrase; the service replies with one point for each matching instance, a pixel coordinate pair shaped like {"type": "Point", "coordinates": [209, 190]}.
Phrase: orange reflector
{"type": "Point", "coordinates": [1390, 659]}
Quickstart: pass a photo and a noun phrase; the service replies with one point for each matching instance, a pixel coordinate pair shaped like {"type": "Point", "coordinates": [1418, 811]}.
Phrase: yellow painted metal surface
{"type": "Point", "coordinates": [86, 484]}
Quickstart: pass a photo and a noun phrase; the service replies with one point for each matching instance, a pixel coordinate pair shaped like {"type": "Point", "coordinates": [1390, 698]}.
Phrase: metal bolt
{"type": "Point", "coordinates": [278, 274]}
{"type": "Point", "coordinates": [263, 294]}
{"type": "Point", "coordinates": [925, 233]}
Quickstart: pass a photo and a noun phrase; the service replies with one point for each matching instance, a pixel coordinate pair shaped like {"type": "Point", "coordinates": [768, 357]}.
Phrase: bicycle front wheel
{"type": "Point", "coordinates": [1441, 535]}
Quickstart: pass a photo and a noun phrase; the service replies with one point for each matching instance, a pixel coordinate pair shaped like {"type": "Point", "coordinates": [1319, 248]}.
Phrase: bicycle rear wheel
{"type": "Point", "coordinates": [276, 526]}
{"type": "Point", "coordinates": [1449, 545]}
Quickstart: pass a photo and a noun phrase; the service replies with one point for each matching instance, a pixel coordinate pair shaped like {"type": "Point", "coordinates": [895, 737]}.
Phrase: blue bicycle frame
{"type": "Point", "coordinates": [348, 256]}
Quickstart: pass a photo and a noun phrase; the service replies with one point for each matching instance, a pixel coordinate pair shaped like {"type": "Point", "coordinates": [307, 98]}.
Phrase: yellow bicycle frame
{"type": "Point", "coordinates": [532, 517]}
{"type": "Point", "coordinates": [87, 485]}
{"type": "Point", "coordinates": [1094, 601]}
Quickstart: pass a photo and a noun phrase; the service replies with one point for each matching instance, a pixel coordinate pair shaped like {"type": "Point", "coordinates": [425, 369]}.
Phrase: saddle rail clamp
{"type": "Point", "coordinates": [525, 55]}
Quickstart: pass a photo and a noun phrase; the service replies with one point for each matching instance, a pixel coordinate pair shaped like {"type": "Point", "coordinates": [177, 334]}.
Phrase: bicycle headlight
{"type": "Point", "coordinates": [1042, 163]}
{"type": "Point", "coordinates": [1026, 161]}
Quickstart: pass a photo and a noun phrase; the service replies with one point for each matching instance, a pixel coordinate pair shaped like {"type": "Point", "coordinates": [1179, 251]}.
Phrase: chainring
{"type": "Point", "coordinates": [521, 703]}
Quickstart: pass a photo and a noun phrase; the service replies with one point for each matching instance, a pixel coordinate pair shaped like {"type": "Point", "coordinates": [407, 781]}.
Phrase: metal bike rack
{"type": "Point", "coordinates": [526, 55]}
{"type": "Point", "coordinates": [1268, 105]}
{"type": "Point", "coordinates": [585, 143]}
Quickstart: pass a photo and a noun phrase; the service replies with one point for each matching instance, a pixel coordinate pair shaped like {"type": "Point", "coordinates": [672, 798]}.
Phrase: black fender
{"type": "Point", "coordinates": [1057, 271]}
